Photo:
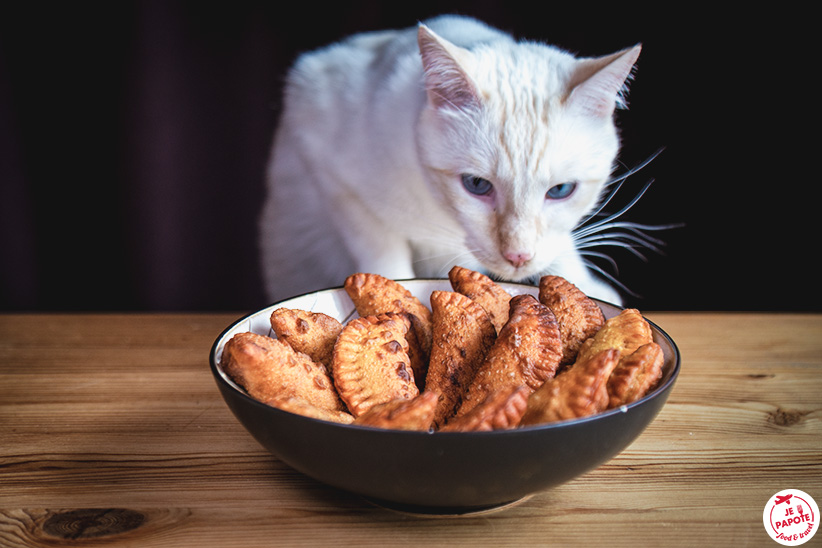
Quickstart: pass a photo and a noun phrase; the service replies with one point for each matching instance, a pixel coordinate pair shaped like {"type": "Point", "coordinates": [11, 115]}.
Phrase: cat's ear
{"type": "Point", "coordinates": [598, 84]}
{"type": "Point", "coordinates": [446, 82]}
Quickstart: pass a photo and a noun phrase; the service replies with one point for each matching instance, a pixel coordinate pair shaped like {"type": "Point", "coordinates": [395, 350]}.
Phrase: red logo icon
{"type": "Point", "coordinates": [791, 517]}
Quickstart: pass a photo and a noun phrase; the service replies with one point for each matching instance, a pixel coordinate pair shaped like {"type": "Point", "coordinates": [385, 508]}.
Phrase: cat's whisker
{"type": "Point", "coordinates": [620, 239]}
{"type": "Point", "coordinates": [588, 226]}
{"type": "Point", "coordinates": [600, 229]}
{"type": "Point", "coordinates": [637, 167]}
{"type": "Point", "coordinates": [617, 183]}
{"type": "Point", "coordinates": [610, 217]}
{"type": "Point", "coordinates": [633, 249]}
{"type": "Point", "coordinates": [637, 228]}
{"type": "Point", "coordinates": [600, 255]}
{"type": "Point", "coordinates": [611, 278]}
{"type": "Point", "coordinates": [586, 255]}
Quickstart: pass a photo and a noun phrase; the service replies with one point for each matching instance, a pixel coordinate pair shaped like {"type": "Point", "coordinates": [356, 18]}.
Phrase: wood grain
{"type": "Point", "coordinates": [112, 433]}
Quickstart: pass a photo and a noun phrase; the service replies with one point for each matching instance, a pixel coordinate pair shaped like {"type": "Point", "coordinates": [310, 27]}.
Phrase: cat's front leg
{"type": "Point", "coordinates": [375, 248]}
{"type": "Point", "coordinates": [393, 261]}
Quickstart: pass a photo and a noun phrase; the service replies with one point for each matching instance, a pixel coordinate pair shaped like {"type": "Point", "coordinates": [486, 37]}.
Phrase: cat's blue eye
{"type": "Point", "coordinates": [477, 185]}
{"type": "Point", "coordinates": [558, 192]}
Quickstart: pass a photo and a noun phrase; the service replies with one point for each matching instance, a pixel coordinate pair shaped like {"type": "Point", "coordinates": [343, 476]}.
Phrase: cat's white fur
{"type": "Point", "coordinates": [376, 131]}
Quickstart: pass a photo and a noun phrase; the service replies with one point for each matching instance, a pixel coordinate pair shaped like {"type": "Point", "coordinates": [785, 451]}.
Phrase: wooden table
{"type": "Point", "coordinates": [112, 433]}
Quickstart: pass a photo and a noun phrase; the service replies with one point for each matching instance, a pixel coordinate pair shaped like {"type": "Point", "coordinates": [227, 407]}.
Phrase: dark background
{"type": "Point", "coordinates": [134, 137]}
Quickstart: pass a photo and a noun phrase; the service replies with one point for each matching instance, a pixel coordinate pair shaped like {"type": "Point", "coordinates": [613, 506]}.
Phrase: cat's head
{"type": "Point", "coordinates": [519, 140]}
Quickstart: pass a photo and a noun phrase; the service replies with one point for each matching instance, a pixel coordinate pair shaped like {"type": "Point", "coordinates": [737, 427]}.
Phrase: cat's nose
{"type": "Point", "coordinates": [518, 258]}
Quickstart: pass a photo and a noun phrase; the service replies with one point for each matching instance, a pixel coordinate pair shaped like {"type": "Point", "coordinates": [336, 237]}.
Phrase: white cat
{"type": "Point", "coordinates": [405, 152]}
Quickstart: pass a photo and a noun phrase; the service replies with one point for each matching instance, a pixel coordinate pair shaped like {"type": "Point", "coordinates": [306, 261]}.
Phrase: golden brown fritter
{"type": "Point", "coordinates": [370, 363]}
{"type": "Point", "coordinates": [501, 410]}
{"type": "Point", "coordinates": [625, 332]}
{"type": "Point", "coordinates": [635, 375]}
{"type": "Point", "coordinates": [478, 359]}
{"type": "Point", "coordinates": [482, 289]}
{"type": "Point", "coordinates": [578, 391]}
{"type": "Point", "coordinates": [402, 414]}
{"type": "Point", "coordinates": [527, 352]}
{"type": "Point", "coordinates": [269, 369]}
{"type": "Point", "coordinates": [373, 294]}
{"type": "Point", "coordinates": [462, 335]}
{"type": "Point", "coordinates": [312, 333]}
{"type": "Point", "coordinates": [299, 406]}
{"type": "Point", "coordinates": [579, 317]}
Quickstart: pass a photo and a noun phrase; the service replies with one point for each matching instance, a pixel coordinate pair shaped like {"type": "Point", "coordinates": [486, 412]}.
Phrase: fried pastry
{"type": "Point", "coordinates": [526, 353]}
{"type": "Point", "coordinates": [462, 335]}
{"type": "Point", "coordinates": [370, 364]}
{"type": "Point", "coordinates": [269, 369]}
{"type": "Point", "coordinates": [299, 406]}
{"type": "Point", "coordinates": [625, 332]}
{"type": "Point", "coordinates": [482, 289]}
{"type": "Point", "coordinates": [401, 414]}
{"type": "Point", "coordinates": [635, 375]}
{"type": "Point", "coordinates": [312, 333]}
{"type": "Point", "coordinates": [373, 294]}
{"type": "Point", "coordinates": [578, 391]}
{"type": "Point", "coordinates": [578, 316]}
{"type": "Point", "coordinates": [501, 410]}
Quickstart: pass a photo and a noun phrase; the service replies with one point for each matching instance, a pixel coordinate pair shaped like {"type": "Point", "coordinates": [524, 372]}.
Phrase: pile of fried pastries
{"type": "Point", "coordinates": [477, 359]}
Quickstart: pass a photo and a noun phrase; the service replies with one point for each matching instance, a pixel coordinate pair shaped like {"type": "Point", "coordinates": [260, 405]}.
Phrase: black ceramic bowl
{"type": "Point", "coordinates": [437, 473]}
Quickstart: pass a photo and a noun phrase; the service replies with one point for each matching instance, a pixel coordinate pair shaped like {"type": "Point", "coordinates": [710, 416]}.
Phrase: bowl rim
{"type": "Point", "coordinates": [663, 387]}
